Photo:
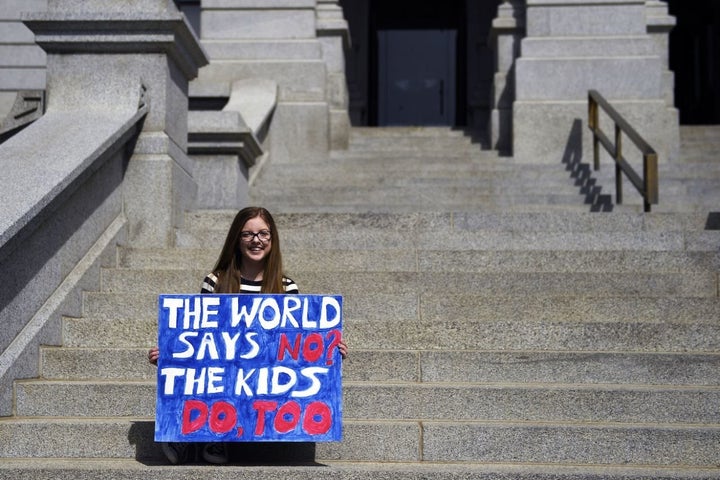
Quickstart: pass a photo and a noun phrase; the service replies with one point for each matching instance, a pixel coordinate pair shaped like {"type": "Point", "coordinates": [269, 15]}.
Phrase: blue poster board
{"type": "Point", "coordinates": [249, 368]}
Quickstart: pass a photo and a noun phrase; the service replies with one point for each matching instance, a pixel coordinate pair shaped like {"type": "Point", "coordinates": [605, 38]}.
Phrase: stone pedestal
{"type": "Point", "coordinates": [572, 46]}
{"type": "Point", "coordinates": [107, 47]}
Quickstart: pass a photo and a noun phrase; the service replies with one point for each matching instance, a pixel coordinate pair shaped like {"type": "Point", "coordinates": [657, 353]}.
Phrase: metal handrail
{"type": "Point", "coordinates": [647, 185]}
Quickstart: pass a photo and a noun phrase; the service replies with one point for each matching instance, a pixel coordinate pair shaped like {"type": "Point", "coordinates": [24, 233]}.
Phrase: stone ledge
{"type": "Point", "coordinates": [26, 194]}
{"type": "Point", "coordinates": [82, 32]}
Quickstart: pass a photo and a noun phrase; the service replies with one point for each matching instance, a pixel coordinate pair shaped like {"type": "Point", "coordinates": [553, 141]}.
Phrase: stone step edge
{"type": "Point", "coordinates": [604, 387]}
{"type": "Point", "coordinates": [358, 324]}
{"type": "Point", "coordinates": [339, 469]}
{"type": "Point", "coordinates": [552, 424]}
{"type": "Point", "coordinates": [690, 353]}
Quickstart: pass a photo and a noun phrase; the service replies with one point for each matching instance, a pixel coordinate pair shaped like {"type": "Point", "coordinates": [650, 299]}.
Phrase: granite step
{"type": "Point", "coordinates": [519, 443]}
{"type": "Point", "coordinates": [483, 181]}
{"type": "Point", "coordinates": [470, 232]}
{"type": "Point", "coordinates": [546, 221]}
{"type": "Point", "coordinates": [432, 306]}
{"type": "Point", "coordinates": [469, 240]}
{"type": "Point", "coordinates": [377, 402]}
{"type": "Point", "coordinates": [559, 284]}
{"type": "Point", "coordinates": [577, 203]}
{"type": "Point", "coordinates": [393, 199]}
{"type": "Point", "coordinates": [132, 438]}
{"type": "Point", "coordinates": [454, 366]}
{"type": "Point", "coordinates": [473, 322]}
{"type": "Point", "coordinates": [85, 469]}
{"type": "Point", "coordinates": [623, 444]}
{"type": "Point", "coordinates": [196, 261]}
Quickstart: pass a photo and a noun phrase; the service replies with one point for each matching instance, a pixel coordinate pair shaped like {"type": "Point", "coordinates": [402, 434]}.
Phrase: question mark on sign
{"type": "Point", "coordinates": [335, 334]}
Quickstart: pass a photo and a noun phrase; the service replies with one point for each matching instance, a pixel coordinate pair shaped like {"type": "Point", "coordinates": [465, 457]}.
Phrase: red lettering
{"type": "Point", "coordinates": [317, 419]}
{"type": "Point", "coordinates": [287, 417]}
{"type": "Point", "coordinates": [313, 347]}
{"type": "Point", "coordinates": [262, 406]}
{"type": "Point", "coordinates": [223, 417]}
{"type": "Point", "coordinates": [190, 409]}
{"type": "Point", "coordinates": [285, 345]}
{"type": "Point", "coordinates": [336, 337]}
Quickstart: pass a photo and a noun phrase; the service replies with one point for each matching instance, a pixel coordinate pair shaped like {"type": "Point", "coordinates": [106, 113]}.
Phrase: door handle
{"type": "Point", "coordinates": [442, 97]}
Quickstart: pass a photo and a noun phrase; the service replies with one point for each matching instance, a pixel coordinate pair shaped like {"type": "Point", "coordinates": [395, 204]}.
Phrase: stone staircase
{"type": "Point", "coordinates": [499, 329]}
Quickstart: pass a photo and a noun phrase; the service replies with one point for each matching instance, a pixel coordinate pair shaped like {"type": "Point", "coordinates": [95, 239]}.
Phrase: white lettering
{"type": "Point", "coordinates": [279, 388]}
{"type": "Point", "coordinates": [314, 388]}
{"type": "Point", "coordinates": [191, 381]}
{"type": "Point", "coordinates": [288, 311]}
{"type": "Point", "coordinates": [325, 321]}
{"type": "Point", "coordinates": [272, 305]}
{"type": "Point", "coordinates": [170, 375]}
{"type": "Point", "coordinates": [172, 304]}
{"type": "Point", "coordinates": [207, 311]}
{"type": "Point", "coordinates": [192, 314]}
{"type": "Point", "coordinates": [190, 349]}
{"type": "Point", "coordinates": [215, 376]}
{"type": "Point", "coordinates": [230, 344]}
{"type": "Point", "coordinates": [306, 322]}
{"type": "Point", "coordinates": [207, 344]}
{"type": "Point", "coordinates": [241, 385]}
{"type": "Point", "coordinates": [255, 347]}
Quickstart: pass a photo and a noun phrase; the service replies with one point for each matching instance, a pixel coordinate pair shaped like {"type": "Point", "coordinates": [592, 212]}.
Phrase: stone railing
{"type": "Point", "coordinates": [62, 192]}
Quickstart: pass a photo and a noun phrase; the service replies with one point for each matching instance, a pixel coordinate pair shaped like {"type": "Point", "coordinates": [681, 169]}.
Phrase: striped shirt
{"type": "Point", "coordinates": [246, 286]}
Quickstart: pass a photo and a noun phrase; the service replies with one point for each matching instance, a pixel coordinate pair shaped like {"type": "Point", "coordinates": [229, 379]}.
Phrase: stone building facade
{"type": "Point", "coordinates": [514, 72]}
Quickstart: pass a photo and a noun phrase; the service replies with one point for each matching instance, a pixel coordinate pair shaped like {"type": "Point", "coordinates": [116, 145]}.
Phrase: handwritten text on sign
{"type": "Point", "coordinates": [249, 368]}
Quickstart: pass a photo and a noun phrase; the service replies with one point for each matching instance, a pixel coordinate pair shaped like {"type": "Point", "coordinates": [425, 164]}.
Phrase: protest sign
{"type": "Point", "coordinates": [249, 368]}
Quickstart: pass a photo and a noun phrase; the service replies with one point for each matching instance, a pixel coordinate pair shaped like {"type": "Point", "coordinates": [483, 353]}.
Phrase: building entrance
{"type": "Point", "coordinates": [695, 60]}
{"type": "Point", "coordinates": [420, 62]}
{"type": "Point", "coordinates": [416, 77]}
{"type": "Point", "coordinates": [416, 62]}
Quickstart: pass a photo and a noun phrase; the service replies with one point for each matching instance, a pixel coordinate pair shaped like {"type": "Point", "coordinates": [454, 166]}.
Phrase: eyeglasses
{"type": "Point", "coordinates": [262, 235]}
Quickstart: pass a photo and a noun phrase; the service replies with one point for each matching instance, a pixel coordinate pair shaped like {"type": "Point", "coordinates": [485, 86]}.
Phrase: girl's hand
{"type": "Point", "coordinates": [343, 349]}
{"type": "Point", "coordinates": [153, 355]}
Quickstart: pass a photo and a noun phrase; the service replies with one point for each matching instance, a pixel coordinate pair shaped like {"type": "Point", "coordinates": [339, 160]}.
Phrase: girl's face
{"type": "Point", "coordinates": [255, 241]}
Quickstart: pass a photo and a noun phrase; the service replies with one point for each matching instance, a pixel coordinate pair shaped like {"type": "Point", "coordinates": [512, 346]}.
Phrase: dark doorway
{"type": "Point", "coordinates": [417, 71]}
{"type": "Point", "coordinates": [413, 91]}
{"type": "Point", "coordinates": [695, 60]}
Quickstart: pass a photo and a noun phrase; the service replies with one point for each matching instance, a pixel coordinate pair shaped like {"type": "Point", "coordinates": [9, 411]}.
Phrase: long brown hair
{"type": "Point", "coordinates": [227, 267]}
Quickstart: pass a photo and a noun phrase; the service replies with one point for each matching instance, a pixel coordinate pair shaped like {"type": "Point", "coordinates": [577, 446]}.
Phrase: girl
{"type": "Point", "coordinates": [250, 262]}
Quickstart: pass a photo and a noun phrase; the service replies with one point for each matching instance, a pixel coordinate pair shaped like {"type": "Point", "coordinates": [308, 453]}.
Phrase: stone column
{"type": "Point", "coordinates": [659, 25]}
{"type": "Point", "coordinates": [508, 28]}
{"type": "Point", "coordinates": [334, 36]}
{"type": "Point", "coordinates": [100, 48]}
{"type": "Point", "coordinates": [356, 59]}
{"type": "Point", "coordinates": [572, 46]}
